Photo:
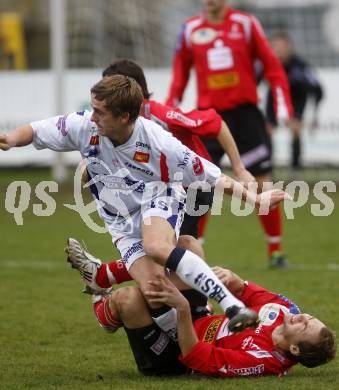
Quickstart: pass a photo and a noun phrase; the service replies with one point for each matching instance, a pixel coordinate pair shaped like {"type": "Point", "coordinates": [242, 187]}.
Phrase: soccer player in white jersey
{"type": "Point", "coordinates": [145, 168]}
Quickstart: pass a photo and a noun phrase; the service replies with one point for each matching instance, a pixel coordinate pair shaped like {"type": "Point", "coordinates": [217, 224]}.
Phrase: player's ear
{"type": "Point", "coordinates": [294, 349]}
{"type": "Point", "coordinates": [125, 117]}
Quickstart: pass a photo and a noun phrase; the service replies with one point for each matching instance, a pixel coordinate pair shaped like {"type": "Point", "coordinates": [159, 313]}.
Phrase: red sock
{"type": "Point", "coordinates": [113, 273]}
{"type": "Point", "coordinates": [273, 228]}
{"type": "Point", "coordinates": [105, 316]}
{"type": "Point", "coordinates": [202, 225]}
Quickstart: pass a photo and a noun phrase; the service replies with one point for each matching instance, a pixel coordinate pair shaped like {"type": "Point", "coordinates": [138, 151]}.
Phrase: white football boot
{"type": "Point", "coordinates": [86, 264]}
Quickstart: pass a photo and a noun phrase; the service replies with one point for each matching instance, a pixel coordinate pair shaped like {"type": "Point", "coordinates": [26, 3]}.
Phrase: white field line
{"type": "Point", "coordinates": [32, 264]}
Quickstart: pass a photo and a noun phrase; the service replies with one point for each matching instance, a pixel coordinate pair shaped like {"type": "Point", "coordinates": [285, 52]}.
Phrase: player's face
{"type": "Point", "coordinates": [282, 49]}
{"type": "Point", "coordinates": [107, 124]}
{"type": "Point", "coordinates": [214, 6]}
{"type": "Point", "coordinates": [301, 327]}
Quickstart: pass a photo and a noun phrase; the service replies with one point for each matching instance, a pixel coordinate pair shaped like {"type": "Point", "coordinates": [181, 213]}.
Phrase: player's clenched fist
{"type": "Point", "coordinates": [5, 142]}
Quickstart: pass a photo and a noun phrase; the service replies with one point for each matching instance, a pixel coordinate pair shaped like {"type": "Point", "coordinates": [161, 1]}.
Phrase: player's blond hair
{"type": "Point", "coordinates": [121, 94]}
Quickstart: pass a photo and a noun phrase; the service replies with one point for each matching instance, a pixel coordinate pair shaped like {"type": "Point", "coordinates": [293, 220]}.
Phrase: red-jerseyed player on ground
{"type": "Point", "coordinates": [283, 337]}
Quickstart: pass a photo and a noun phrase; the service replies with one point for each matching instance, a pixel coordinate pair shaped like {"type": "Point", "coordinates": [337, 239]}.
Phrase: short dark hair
{"type": "Point", "coordinates": [130, 69]}
{"type": "Point", "coordinates": [315, 354]}
{"type": "Point", "coordinates": [281, 34]}
{"type": "Point", "coordinates": [122, 94]}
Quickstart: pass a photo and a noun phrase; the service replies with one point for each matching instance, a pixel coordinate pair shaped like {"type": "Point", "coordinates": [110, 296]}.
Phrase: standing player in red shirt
{"type": "Point", "coordinates": [222, 44]}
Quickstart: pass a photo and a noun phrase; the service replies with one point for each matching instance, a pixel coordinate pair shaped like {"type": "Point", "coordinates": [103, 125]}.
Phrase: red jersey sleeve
{"type": "Point", "coordinates": [273, 72]}
{"type": "Point", "coordinates": [182, 64]}
{"type": "Point", "coordinates": [215, 361]}
{"type": "Point", "coordinates": [254, 296]}
{"type": "Point", "coordinates": [206, 123]}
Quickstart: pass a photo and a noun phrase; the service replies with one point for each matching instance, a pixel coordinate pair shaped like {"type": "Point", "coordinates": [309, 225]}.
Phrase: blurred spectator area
{"type": "Point", "coordinates": [146, 30]}
{"type": "Point", "coordinates": [26, 24]}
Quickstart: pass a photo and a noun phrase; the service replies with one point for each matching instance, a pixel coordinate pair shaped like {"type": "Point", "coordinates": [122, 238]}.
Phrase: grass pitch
{"type": "Point", "coordinates": [49, 338]}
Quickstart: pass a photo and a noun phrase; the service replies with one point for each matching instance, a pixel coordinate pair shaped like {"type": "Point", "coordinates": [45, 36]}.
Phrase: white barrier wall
{"type": "Point", "coordinates": [27, 96]}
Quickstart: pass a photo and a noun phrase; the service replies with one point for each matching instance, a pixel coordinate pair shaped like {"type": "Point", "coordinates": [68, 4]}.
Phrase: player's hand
{"type": "Point", "coordinates": [162, 290]}
{"type": "Point", "coordinates": [269, 199]}
{"type": "Point", "coordinates": [229, 279]}
{"type": "Point", "coordinates": [5, 143]}
{"type": "Point", "coordinates": [244, 176]}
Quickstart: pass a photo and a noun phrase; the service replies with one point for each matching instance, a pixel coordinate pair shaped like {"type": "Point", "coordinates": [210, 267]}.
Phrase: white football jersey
{"type": "Point", "coordinates": [121, 175]}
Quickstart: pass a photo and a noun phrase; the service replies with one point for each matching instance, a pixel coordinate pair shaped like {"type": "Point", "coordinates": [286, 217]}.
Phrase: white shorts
{"type": "Point", "coordinates": [129, 241]}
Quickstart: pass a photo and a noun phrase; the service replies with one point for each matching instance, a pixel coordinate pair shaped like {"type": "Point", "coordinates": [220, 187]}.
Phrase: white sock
{"type": "Point", "coordinates": [193, 270]}
{"type": "Point", "coordinates": [167, 321]}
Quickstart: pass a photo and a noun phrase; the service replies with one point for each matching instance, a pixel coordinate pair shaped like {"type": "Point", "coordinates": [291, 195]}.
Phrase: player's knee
{"type": "Point", "coordinates": [157, 250]}
{"type": "Point", "coordinates": [186, 241]}
{"type": "Point", "coordinates": [127, 299]}
{"type": "Point", "coordinates": [189, 242]}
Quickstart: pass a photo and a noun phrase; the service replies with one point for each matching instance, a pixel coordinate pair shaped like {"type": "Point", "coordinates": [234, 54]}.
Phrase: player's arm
{"type": "Point", "coordinates": [21, 136]}
{"type": "Point", "coordinates": [265, 200]}
{"type": "Point", "coordinates": [214, 361]}
{"type": "Point", "coordinates": [205, 123]}
{"type": "Point", "coordinates": [231, 280]}
{"type": "Point", "coordinates": [163, 291]}
{"type": "Point", "coordinates": [195, 169]}
{"type": "Point", "coordinates": [229, 146]}
{"type": "Point", "coordinates": [182, 64]}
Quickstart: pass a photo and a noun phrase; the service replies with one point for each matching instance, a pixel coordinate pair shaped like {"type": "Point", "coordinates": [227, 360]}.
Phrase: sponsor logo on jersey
{"type": "Point", "coordinates": [235, 33]}
{"type": "Point", "coordinates": [94, 140]}
{"type": "Point", "coordinates": [203, 36]}
{"type": "Point", "coordinates": [61, 125]}
{"type": "Point", "coordinates": [146, 171]}
{"type": "Point", "coordinates": [142, 145]}
{"type": "Point", "coordinates": [211, 331]}
{"type": "Point", "coordinates": [245, 371]}
{"type": "Point", "coordinates": [269, 313]}
{"type": "Point", "coordinates": [198, 168]}
{"type": "Point", "coordinates": [80, 113]}
{"type": "Point", "coordinates": [249, 344]}
{"type": "Point", "coordinates": [186, 157]}
{"type": "Point", "coordinates": [223, 80]}
{"type": "Point", "coordinates": [141, 157]}
{"type": "Point", "coordinates": [182, 118]}
{"type": "Point", "coordinates": [259, 354]}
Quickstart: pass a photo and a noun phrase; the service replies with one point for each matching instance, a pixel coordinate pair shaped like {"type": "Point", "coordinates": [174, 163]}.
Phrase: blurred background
{"type": "Point", "coordinates": [52, 51]}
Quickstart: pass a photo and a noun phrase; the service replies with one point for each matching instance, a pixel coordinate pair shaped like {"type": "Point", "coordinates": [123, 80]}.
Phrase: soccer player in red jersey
{"type": "Point", "coordinates": [283, 337]}
{"type": "Point", "coordinates": [222, 45]}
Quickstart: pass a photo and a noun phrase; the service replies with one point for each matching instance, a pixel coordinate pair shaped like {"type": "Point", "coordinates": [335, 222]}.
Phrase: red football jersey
{"type": "Point", "coordinates": [222, 353]}
{"type": "Point", "coordinates": [186, 127]}
{"type": "Point", "coordinates": [223, 56]}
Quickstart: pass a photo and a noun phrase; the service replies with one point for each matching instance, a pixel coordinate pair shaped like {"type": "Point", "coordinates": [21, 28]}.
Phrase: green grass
{"type": "Point", "coordinates": [49, 338]}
